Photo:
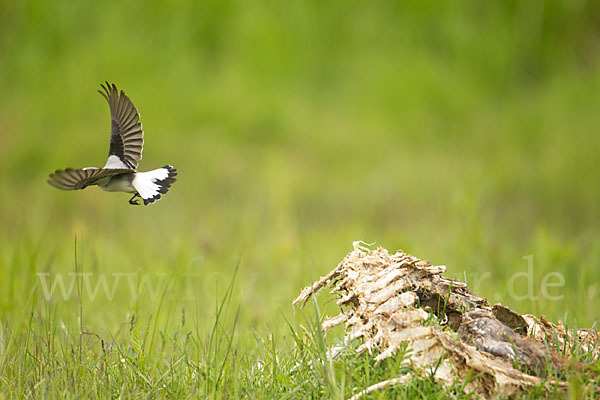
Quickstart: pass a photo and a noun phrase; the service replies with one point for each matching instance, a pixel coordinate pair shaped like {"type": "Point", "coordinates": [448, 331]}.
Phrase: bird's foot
{"type": "Point", "coordinates": [134, 202]}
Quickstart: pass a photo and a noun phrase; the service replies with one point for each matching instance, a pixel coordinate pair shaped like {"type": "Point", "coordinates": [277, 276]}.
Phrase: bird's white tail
{"type": "Point", "coordinates": [150, 185]}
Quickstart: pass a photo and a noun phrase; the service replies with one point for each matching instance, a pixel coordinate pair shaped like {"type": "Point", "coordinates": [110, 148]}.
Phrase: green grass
{"type": "Point", "coordinates": [464, 133]}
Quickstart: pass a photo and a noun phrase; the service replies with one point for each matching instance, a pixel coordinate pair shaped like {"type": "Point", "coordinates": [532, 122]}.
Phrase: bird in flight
{"type": "Point", "coordinates": [120, 172]}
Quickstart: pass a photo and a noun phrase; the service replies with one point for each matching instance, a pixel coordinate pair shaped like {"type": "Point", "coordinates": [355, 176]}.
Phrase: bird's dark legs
{"type": "Point", "coordinates": [134, 202]}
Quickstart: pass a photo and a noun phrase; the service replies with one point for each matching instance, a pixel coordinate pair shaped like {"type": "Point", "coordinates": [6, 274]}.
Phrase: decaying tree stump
{"type": "Point", "coordinates": [388, 300]}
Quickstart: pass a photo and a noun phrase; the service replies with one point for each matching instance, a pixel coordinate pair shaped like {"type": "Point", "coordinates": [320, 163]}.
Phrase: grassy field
{"type": "Point", "coordinates": [465, 133]}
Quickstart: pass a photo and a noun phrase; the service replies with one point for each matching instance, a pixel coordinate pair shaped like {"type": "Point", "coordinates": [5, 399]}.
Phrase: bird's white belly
{"type": "Point", "coordinates": [117, 183]}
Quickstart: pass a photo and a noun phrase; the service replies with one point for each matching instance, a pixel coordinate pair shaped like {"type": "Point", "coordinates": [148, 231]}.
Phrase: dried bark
{"type": "Point", "coordinates": [387, 300]}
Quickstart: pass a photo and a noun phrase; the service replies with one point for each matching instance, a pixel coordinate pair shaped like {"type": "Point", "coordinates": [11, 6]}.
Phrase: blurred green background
{"type": "Point", "coordinates": [465, 133]}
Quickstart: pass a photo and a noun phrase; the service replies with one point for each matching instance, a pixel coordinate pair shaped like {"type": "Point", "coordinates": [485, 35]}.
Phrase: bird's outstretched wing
{"type": "Point", "coordinates": [73, 179]}
{"type": "Point", "coordinates": [126, 135]}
